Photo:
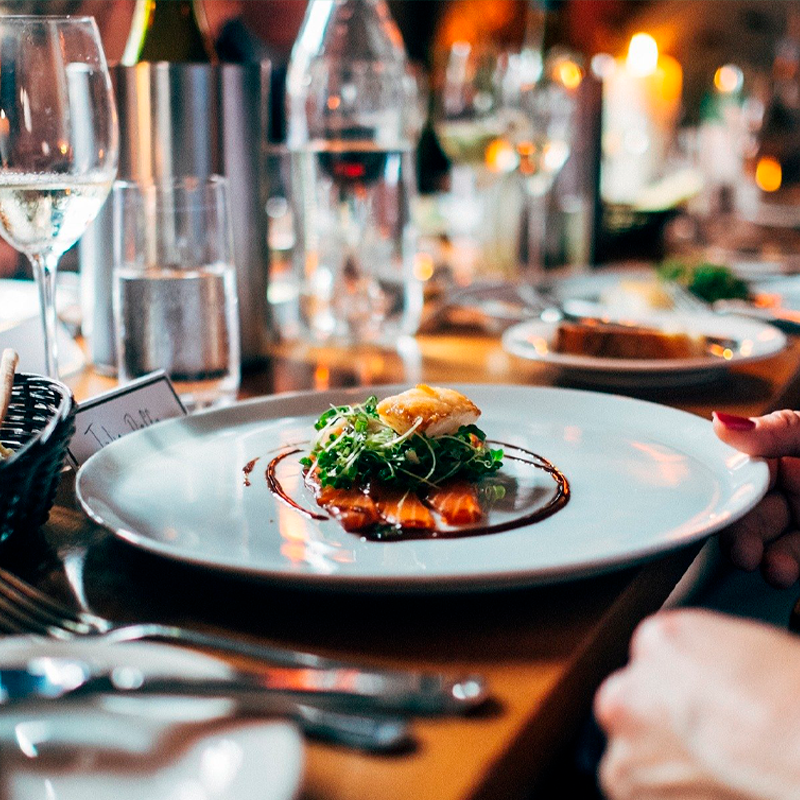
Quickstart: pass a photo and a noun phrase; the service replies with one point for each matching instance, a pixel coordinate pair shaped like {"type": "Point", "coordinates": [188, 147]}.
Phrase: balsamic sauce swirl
{"type": "Point", "coordinates": [379, 533]}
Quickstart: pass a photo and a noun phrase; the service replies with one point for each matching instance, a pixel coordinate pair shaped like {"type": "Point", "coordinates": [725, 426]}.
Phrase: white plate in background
{"type": "Point", "coordinates": [755, 340]}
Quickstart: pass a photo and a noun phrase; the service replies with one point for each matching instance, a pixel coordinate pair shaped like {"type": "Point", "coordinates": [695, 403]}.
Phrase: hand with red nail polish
{"type": "Point", "coordinates": [769, 536]}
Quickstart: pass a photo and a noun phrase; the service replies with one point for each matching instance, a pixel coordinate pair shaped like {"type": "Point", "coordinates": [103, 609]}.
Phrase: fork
{"type": "Point", "coordinates": [684, 300]}
{"type": "Point", "coordinates": [25, 609]}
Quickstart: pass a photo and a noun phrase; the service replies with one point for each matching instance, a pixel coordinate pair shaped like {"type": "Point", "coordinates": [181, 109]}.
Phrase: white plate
{"type": "Point", "coordinates": [785, 290]}
{"type": "Point", "coordinates": [644, 479]}
{"type": "Point", "coordinates": [754, 341]}
{"type": "Point", "coordinates": [141, 749]}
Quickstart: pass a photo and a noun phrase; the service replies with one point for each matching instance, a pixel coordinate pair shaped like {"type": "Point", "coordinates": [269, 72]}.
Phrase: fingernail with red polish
{"type": "Point", "coordinates": [734, 423]}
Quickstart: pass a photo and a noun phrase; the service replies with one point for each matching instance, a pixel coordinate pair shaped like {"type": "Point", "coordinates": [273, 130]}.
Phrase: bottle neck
{"type": "Point", "coordinates": [168, 30]}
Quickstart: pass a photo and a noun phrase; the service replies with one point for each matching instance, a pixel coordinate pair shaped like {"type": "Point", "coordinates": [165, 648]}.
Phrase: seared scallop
{"type": "Point", "coordinates": [439, 411]}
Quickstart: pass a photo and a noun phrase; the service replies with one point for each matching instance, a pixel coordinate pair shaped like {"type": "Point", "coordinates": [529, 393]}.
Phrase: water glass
{"type": "Point", "coordinates": [175, 302]}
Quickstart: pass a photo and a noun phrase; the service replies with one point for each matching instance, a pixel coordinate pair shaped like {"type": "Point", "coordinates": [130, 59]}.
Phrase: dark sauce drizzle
{"type": "Point", "coordinates": [381, 534]}
{"type": "Point", "coordinates": [248, 468]}
{"type": "Point", "coordinates": [278, 490]}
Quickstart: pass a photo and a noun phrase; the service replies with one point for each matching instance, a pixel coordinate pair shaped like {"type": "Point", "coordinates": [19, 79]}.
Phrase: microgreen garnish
{"type": "Point", "coordinates": [353, 446]}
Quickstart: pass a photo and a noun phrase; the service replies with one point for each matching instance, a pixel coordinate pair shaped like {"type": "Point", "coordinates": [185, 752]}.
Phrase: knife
{"type": "Point", "coordinates": [57, 677]}
{"type": "Point", "coordinates": [41, 681]}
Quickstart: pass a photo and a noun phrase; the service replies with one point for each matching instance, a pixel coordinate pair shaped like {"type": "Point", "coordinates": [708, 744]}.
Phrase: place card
{"type": "Point", "coordinates": [108, 417]}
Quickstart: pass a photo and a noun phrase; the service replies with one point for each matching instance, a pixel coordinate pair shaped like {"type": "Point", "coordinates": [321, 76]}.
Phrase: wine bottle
{"type": "Point", "coordinates": [168, 30]}
{"type": "Point", "coordinates": [352, 128]}
{"type": "Point", "coordinates": [778, 160]}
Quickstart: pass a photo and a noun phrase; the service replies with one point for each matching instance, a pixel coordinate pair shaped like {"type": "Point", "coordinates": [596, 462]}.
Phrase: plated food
{"type": "Point", "coordinates": [626, 461]}
{"type": "Point", "coordinates": [601, 339]}
{"type": "Point", "coordinates": [672, 286]}
{"type": "Point", "coordinates": [651, 350]}
{"type": "Point", "coordinates": [706, 281]}
{"type": "Point", "coordinates": [412, 465]}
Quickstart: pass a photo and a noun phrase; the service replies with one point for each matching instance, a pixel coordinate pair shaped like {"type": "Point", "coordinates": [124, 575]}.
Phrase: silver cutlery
{"type": "Point", "coordinates": [683, 300]}
{"type": "Point", "coordinates": [45, 679]}
{"type": "Point", "coordinates": [349, 689]}
{"type": "Point", "coordinates": [24, 609]}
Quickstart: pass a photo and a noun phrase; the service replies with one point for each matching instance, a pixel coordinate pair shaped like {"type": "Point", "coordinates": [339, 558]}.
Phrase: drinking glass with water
{"type": "Point", "coordinates": [175, 303]}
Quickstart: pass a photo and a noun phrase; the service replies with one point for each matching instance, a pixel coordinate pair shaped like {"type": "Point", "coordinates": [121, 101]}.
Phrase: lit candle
{"type": "Point", "coordinates": [641, 104]}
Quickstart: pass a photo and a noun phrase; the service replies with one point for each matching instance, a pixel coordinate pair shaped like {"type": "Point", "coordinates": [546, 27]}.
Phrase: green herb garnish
{"type": "Point", "coordinates": [354, 446]}
{"type": "Point", "coordinates": [709, 282]}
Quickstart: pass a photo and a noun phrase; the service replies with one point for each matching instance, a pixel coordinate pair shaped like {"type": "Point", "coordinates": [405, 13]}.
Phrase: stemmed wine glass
{"type": "Point", "coordinates": [58, 144]}
{"type": "Point", "coordinates": [539, 105]}
{"type": "Point", "coordinates": [465, 113]}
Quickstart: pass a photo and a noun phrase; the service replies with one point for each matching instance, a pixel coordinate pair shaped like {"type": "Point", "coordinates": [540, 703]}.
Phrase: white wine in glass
{"type": "Point", "coordinates": [58, 144]}
{"type": "Point", "coordinates": [540, 123]}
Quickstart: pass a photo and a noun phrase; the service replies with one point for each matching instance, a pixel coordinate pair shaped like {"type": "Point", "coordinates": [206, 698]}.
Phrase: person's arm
{"type": "Point", "coordinates": [707, 709]}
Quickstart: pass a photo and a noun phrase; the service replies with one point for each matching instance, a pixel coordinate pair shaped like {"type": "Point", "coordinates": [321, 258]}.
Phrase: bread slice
{"type": "Point", "coordinates": [609, 340]}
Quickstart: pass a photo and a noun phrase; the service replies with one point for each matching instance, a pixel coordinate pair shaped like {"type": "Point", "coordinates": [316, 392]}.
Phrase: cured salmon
{"type": "Point", "coordinates": [456, 502]}
{"type": "Point", "coordinates": [354, 510]}
{"type": "Point", "coordinates": [402, 508]}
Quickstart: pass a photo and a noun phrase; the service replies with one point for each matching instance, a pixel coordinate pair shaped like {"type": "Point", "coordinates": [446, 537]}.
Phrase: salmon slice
{"type": "Point", "coordinates": [402, 508]}
{"type": "Point", "coordinates": [456, 502]}
{"type": "Point", "coordinates": [352, 508]}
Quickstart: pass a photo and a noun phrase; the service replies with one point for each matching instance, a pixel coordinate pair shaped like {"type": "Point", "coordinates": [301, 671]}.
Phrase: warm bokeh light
{"type": "Point", "coordinates": [603, 65]}
{"type": "Point", "coordinates": [769, 174]}
{"type": "Point", "coordinates": [569, 73]}
{"type": "Point", "coordinates": [500, 157]}
{"type": "Point", "coordinates": [423, 266]}
{"type": "Point", "coordinates": [322, 377]}
{"type": "Point", "coordinates": [669, 76]}
{"type": "Point", "coordinates": [642, 55]}
{"type": "Point", "coordinates": [728, 79]}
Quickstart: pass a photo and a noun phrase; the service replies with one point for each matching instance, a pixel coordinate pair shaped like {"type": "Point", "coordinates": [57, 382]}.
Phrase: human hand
{"type": "Point", "coordinates": [769, 535]}
{"type": "Point", "coordinates": [708, 707]}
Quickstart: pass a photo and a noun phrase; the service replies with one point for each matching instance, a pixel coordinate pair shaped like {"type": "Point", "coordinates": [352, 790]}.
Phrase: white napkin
{"type": "Point", "coordinates": [141, 748]}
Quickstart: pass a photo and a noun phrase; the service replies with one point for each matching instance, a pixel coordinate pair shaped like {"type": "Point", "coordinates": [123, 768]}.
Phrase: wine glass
{"type": "Point", "coordinates": [58, 144]}
{"type": "Point", "coordinates": [465, 113]}
{"type": "Point", "coordinates": [539, 106]}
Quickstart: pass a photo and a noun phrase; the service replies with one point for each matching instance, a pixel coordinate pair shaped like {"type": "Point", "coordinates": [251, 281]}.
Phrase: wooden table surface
{"type": "Point", "coordinates": [543, 650]}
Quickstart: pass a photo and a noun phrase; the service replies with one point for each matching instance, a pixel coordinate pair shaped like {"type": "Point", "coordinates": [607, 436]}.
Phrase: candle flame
{"type": "Point", "coordinates": [642, 55]}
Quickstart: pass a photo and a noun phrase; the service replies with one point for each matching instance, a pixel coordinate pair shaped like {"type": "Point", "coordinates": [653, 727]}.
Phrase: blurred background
{"type": "Point", "coordinates": [688, 111]}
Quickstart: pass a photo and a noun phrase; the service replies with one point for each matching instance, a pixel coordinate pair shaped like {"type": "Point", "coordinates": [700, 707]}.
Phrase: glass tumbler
{"type": "Point", "coordinates": [175, 303]}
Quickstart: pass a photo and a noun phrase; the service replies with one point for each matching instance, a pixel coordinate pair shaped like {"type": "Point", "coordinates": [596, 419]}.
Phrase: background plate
{"type": "Point", "coordinates": [645, 479]}
{"type": "Point", "coordinates": [756, 340]}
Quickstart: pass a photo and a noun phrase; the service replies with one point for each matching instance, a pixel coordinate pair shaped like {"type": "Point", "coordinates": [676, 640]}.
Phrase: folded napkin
{"type": "Point", "coordinates": [127, 724]}
{"type": "Point", "coordinates": [141, 748]}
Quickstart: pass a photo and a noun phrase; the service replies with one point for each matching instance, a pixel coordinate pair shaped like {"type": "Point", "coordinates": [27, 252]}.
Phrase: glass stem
{"type": "Point", "coordinates": [44, 271]}
{"type": "Point", "coordinates": [534, 267]}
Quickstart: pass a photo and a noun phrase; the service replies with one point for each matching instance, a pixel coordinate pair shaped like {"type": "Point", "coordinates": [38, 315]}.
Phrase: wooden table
{"type": "Point", "coordinates": [543, 650]}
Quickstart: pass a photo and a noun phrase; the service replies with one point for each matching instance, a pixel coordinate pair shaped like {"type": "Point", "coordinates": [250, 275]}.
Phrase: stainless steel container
{"type": "Point", "coordinates": [179, 120]}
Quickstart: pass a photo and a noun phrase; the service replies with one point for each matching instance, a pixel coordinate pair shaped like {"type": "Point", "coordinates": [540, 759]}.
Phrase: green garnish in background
{"type": "Point", "coordinates": [709, 282]}
{"type": "Point", "coordinates": [354, 446]}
